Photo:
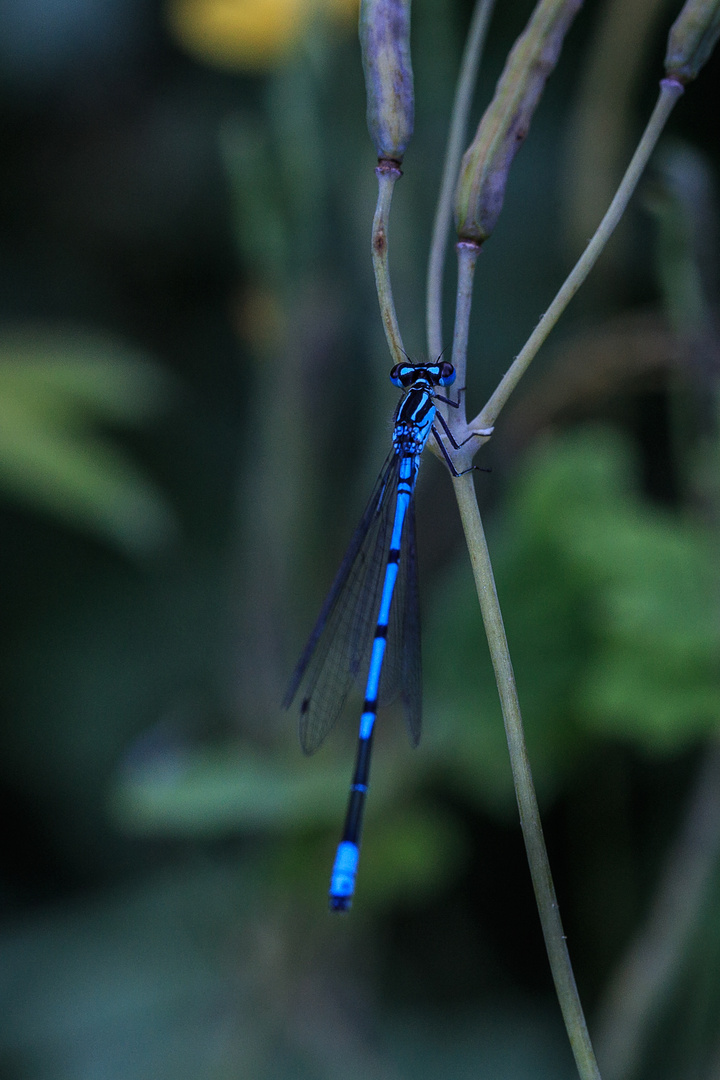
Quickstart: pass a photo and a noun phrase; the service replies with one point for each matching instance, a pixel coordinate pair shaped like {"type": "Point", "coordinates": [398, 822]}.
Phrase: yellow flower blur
{"type": "Point", "coordinates": [248, 35]}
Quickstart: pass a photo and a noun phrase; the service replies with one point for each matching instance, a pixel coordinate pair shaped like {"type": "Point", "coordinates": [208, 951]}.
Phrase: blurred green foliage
{"type": "Point", "coordinates": [55, 391]}
{"type": "Point", "coordinates": [611, 609]}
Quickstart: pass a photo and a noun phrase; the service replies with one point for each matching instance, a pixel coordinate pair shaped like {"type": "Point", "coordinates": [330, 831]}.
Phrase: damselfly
{"type": "Point", "coordinates": [369, 624]}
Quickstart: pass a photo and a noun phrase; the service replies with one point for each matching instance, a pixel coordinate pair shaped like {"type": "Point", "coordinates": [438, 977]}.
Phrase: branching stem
{"type": "Point", "coordinates": [670, 91]}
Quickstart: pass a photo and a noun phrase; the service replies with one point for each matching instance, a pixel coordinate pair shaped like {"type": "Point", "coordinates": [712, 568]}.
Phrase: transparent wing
{"type": "Point", "coordinates": [339, 646]}
{"type": "Point", "coordinates": [411, 637]}
{"type": "Point", "coordinates": [402, 670]}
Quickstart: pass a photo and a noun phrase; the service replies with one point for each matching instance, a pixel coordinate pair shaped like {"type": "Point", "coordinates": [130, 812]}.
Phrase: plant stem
{"type": "Point", "coordinates": [670, 91]}
{"type": "Point", "coordinates": [467, 252]}
{"type": "Point", "coordinates": [453, 153]}
{"type": "Point", "coordinates": [467, 255]}
{"type": "Point", "coordinates": [527, 802]}
{"type": "Point", "coordinates": [387, 173]}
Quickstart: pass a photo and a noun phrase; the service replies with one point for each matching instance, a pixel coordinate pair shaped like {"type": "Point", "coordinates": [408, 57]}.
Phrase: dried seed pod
{"type": "Point", "coordinates": [692, 38]}
{"type": "Point", "coordinates": [385, 44]}
{"type": "Point", "coordinates": [486, 163]}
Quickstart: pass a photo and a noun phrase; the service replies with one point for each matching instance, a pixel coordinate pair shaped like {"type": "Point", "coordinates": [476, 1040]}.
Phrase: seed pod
{"type": "Point", "coordinates": [692, 38]}
{"type": "Point", "coordinates": [486, 164]}
{"type": "Point", "coordinates": [385, 45]}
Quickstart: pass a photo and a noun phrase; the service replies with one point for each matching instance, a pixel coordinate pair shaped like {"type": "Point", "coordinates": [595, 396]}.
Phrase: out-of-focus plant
{"type": "Point", "coordinates": [249, 35]}
{"type": "Point", "coordinates": [56, 392]}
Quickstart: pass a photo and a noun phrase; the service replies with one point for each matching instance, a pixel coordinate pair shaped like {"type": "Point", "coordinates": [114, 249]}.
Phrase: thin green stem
{"type": "Point", "coordinates": [467, 252]}
{"type": "Point", "coordinates": [467, 255]}
{"type": "Point", "coordinates": [527, 802]}
{"type": "Point", "coordinates": [670, 91]}
{"type": "Point", "coordinates": [387, 173]}
{"type": "Point", "coordinates": [453, 153]}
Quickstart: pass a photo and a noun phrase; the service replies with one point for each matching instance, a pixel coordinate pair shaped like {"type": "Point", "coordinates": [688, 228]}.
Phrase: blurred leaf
{"type": "Point", "coordinates": [611, 609]}
{"type": "Point", "coordinates": [653, 673]}
{"type": "Point", "coordinates": [54, 390]}
{"type": "Point", "coordinates": [205, 794]}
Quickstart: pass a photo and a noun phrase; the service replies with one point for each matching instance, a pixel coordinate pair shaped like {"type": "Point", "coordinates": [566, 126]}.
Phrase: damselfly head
{"type": "Point", "coordinates": [407, 375]}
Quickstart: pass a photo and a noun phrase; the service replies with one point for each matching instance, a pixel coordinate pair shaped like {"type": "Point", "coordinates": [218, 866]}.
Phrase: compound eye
{"type": "Point", "coordinates": [447, 373]}
{"type": "Point", "coordinates": [402, 375]}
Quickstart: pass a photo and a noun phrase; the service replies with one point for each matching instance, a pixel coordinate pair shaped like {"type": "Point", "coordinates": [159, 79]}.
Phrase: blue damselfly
{"type": "Point", "coordinates": [369, 625]}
